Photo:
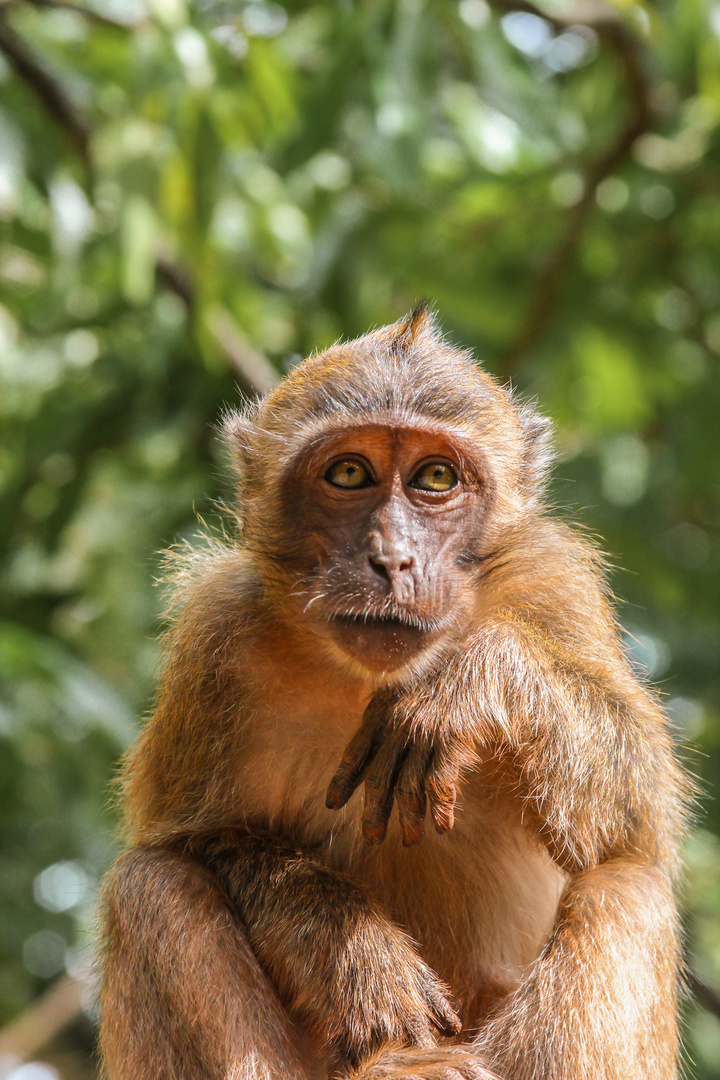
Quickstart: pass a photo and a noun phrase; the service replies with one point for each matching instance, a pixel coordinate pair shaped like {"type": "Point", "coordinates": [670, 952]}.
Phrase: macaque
{"type": "Point", "coordinates": [403, 810]}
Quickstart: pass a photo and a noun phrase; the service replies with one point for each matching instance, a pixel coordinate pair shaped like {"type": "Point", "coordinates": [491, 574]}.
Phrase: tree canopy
{"type": "Point", "coordinates": [193, 196]}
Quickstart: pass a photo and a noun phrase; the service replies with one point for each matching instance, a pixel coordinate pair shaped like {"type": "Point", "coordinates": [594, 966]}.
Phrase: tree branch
{"type": "Point", "coordinates": [706, 996]}
{"type": "Point", "coordinates": [45, 1018]}
{"type": "Point", "coordinates": [617, 36]}
{"type": "Point", "coordinates": [252, 366]}
{"type": "Point", "coordinates": [176, 280]}
{"type": "Point", "coordinates": [46, 89]}
{"type": "Point", "coordinates": [69, 5]}
{"type": "Point", "coordinates": [249, 364]}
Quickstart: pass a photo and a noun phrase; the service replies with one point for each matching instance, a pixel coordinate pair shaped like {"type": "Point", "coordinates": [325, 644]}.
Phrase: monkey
{"type": "Point", "coordinates": [404, 810]}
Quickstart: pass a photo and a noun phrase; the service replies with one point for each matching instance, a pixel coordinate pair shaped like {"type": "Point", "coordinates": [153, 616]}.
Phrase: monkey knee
{"type": "Point", "coordinates": [145, 881]}
{"type": "Point", "coordinates": [163, 909]}
{"type": "Point", "coordinates": [132, 898]}
{"type": "Point", "coordinates": [622, 916]}
{"type": "Point", "coordinates": [622, 886]}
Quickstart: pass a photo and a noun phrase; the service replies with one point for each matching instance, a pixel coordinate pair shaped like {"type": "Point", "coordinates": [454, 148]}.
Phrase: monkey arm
{"type": "Point", "coordinates": [589, 746]}
{"type": "Point", "coordinates": [600, 784]}
{"type": "Point", "coordinates": [598, 776]}
{"type": "Point", "coordinates": [338, 962]}
{"type": "Point", "coordinates": [321, 947]}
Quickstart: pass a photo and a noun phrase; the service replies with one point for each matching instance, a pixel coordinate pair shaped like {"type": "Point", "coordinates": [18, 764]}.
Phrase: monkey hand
{"type": "Point", "coordinates": [388, 997]}
{"type": "Point", "coordinates": [401, 759]}
{"type": "Point", "coordinates": [438, 1063]}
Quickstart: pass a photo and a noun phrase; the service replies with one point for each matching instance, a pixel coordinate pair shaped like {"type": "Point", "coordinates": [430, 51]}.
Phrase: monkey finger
{"type": "Point", "coordinates": [442, 810]}
{"type": "Point", "coordinates": [472, 1069]}
{"type": "Point", "coordinates": [376, 815]}
{"type": "Point", "coordinates": [442, 1014]}
{"type": "Point", "coordinates": [410, 794]}
{"type": "Point", "coordinates": [379, 790]}
{"type": "Point", "coordinates": [460, 1063]}
{"type": "Point", "coordinates": [411, 812]}
{"type": "Point", "coordinates": [447, 1022]}
{"type": "Point", "coordinates": [437, 1063]}
{"type": "Point", "coordinates": [356, 757]}
{"type": "Point", "coordinates": [441, 788]}
{"type": "Point", "coordinates": [468, 1067]}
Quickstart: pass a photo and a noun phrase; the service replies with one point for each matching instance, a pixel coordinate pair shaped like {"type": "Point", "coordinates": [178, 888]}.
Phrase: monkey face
{"type": "Point", "coordinates": [382, 518]}
{"type": "Point", "coordinates": [381, 482]}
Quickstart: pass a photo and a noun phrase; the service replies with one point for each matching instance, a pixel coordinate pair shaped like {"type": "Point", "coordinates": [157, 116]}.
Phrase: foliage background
{"type": "Point", "coordinates": [194, 196]}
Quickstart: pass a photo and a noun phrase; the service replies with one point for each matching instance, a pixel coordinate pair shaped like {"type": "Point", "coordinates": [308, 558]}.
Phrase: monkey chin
{"type": "Point", "coordinates": [380, 645]}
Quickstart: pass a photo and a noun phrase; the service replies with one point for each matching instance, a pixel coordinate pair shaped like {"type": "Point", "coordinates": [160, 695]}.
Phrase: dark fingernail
{"type": "Point", "coordinates": [411, 838]}
{"type": "Point", "coordinates": [331, 799]}
{"type": "Point", "coordinates": [374, 834]}
{"type": "Point", "coordinates": [450, 1024]}
{"type": "Point", "coordinates": [335, 796]}
{"type": "Point", "coordinates": [443, 821]}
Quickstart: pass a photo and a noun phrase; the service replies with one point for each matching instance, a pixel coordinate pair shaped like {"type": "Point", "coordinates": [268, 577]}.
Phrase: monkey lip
{"type": "Point", "coordinates": [381, 622]}
{"type": "Point", "coordinates": [380, 642]}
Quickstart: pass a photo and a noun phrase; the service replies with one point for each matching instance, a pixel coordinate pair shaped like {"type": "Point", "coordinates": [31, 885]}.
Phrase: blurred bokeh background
{"type": "Point", "coordinates": [194, 196]}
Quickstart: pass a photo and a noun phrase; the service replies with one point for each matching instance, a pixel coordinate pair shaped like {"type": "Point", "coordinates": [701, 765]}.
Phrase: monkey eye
{"type": "Point", "coordinates": [434, 476]}
{"type": "Point", "coordinates": [348, 474]}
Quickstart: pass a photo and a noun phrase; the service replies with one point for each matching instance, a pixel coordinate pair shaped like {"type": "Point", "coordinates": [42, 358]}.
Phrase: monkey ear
{"type": "Point", "coordinates": [418, 324]}
{"type": "Point", "coordinates": [539, 453]}
{"type": "Point", "coordinates": [238, 431]}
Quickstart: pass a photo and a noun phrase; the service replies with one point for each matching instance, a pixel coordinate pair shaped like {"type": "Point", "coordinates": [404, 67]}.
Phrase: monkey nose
{"type": "Point", "coordinates": [397, 572]}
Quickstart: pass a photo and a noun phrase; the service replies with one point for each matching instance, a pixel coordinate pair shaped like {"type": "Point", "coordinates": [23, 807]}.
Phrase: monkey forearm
{"type": "Point", "coordinates": [337, 961]}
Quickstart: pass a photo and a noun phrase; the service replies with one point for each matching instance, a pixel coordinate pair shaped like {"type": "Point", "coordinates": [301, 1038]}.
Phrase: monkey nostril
{"type": "Point", "coordinates": [379, 569]}
{"type": "Point", "coordinates": [387, 572]}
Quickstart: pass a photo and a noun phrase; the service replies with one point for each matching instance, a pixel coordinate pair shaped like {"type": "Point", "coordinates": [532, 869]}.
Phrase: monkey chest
{"type": "Point", "coordinates": [479, 901]}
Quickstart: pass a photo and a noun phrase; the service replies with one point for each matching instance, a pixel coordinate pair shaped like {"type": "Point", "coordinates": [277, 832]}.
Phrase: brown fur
{"type": "Point", "coordinates": [250, 932]}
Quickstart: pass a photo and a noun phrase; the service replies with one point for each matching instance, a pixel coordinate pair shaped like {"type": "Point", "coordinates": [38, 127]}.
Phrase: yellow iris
{"type": "Point", "coordinates": [435, 476]}
{"type": "Point", "coordinates": [348, 474]}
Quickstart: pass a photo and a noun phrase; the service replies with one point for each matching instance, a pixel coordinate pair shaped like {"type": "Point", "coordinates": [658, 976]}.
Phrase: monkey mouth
{"type": "Point", "coordinates": [382, 622]}
{"type": "Point", "coordinates": [381, 642]}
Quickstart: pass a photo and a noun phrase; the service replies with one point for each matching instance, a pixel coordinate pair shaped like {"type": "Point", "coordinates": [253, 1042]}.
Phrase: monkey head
{"type": "Point", "coordinates": [378, 481]}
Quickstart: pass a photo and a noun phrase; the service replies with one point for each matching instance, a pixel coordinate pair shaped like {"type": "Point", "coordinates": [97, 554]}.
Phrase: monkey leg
{"type": "Point", "coordinates": [600, 999]}
{"type": "Point", "coordinates": [338, 961]}
{"type": "Point", "coordinates": [183, 996]}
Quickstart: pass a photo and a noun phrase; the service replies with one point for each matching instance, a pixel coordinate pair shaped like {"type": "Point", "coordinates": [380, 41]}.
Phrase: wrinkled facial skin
{"type": "Point", "coordinates": [383, 519]}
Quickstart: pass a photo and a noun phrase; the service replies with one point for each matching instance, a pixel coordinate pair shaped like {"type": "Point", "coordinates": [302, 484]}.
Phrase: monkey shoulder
{"type": "Point", "coordinates": [550, 592]}
{"type": "Point", "coordinates": [176, 773]}
{"type": "Point", "coordinates": [212, 593]}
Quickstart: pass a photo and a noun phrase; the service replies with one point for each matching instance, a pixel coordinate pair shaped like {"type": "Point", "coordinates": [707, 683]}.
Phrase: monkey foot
{"type": "Point", "coordinates": [435, 1063]}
